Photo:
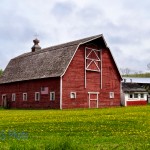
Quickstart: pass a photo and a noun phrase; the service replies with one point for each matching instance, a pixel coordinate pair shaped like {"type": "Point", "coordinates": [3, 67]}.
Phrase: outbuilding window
{"type": "Point", "coordinates": [130, 96]}
{"type": "Point", "coordinates": [24, 96]}
{"type": "Point", "coordinates": [37, 96]}
{"type": "Point", "coordinates": [135, 95]}
{"type": "Point", "coordinates": [142, 95]}
{"type": "Point", "coordinates": [13, 97]}
{"type": "Point", "coordinates": [73, 95]}
{"type": "Point", "coordinates": [52, 96]}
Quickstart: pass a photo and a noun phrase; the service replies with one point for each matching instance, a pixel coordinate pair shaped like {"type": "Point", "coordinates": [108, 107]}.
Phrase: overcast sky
{"type": "Point", "coordinates": [125, 25]}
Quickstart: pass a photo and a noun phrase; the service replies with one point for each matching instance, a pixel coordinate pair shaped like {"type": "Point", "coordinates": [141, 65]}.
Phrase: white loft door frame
{"type": "Point", "coordinates": [97, 61]}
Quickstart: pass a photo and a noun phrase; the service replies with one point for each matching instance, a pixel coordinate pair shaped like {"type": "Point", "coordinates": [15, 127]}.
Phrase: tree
{"type": "Point", "coordinates": [1, 71]}
{"type": "Point", "coordinates": [148, 66]}
{"type": "Point", "coordinates": [125, 71]}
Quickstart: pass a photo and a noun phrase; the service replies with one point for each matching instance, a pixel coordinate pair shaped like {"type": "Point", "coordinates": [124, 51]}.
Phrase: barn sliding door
{"type": "Point", "coordinates": [93, 99]}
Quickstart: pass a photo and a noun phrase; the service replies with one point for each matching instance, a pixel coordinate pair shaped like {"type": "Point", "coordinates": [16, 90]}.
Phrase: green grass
{"type": "Point", "coordinates": [92, 129]}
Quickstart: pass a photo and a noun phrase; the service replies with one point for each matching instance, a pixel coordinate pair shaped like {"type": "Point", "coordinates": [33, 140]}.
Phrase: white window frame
{"type": "Point", "coordinates": [52, 96]}
{"type": "Point", "coordinates": [37, 96]}
{"type": "Point", "coordinates": [141, 95]}
{"type": "Point", "coordinates": [25, 96]}
{"type": "Point", "coordinates": [130, 95]}
{"type": "Point", "coordinates": [111, 95]}
{"type": "Point", "coordinates": [73, 95]}
{"type": "Point", "coordinates": [13, 97]}
{"type": "Point", "coordinates": [136, 94]}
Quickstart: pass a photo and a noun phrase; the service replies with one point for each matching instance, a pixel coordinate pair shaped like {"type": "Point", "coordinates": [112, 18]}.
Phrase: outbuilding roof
{"type": "Point", "coordinates": [48, 62]}
{"type": "Point", "coordinates": [132, 87]}
{"type": "Point", "coordinates": [137, 80]}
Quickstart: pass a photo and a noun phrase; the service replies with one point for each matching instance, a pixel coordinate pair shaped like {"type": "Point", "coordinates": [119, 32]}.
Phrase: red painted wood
{"type": "Point", "coordinates": [133, 103]}
{"type": "Point", "coordinates": [73, 81]}
{"type": "Point", "coordinates": [30, 87]}
{"type": "Point", "coordinates": [93, 104]}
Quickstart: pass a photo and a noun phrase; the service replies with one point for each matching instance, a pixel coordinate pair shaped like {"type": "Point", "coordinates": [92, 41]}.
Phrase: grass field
{"type": "Point", "coordinates": [93, 129]}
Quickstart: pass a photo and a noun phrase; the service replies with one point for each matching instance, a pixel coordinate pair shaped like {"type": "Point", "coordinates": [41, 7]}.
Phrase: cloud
{"type": "Point", "coordinates": [62, 9]}
{"type": "Point", "coordinates": [125, 25]}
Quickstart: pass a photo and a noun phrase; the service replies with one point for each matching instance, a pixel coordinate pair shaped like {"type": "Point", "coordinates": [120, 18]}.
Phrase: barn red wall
{"type": "Point", "coordinates": [111, 80]}
{"type": "Point", "coordinates": [30, 87]}
{"type": "Point", "coordinates": [73, 81]}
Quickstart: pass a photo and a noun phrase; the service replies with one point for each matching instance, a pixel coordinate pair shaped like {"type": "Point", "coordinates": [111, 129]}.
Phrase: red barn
{"type": "Point", "coordinates": [78, 74]}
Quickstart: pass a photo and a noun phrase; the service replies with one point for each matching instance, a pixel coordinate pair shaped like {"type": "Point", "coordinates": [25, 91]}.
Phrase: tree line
{"type": "Point", "coordinates": [1, 71]}
{"type": "Point", "coordinates": [127, 72]}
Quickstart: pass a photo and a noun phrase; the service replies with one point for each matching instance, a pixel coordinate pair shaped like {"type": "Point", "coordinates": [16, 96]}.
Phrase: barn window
{"type": "Point", "coordinates": [135, 95]}
{"type": "Point", "coordinates": [24, 96]}
{"type": "Point", "coordinates": [37, 96]}
{"type": "Point", "coordinates": [52, 96]}
{"type": "Point", "coordinates": [13, 97]}
{"type": "Point", "coordinates": [111, 94]}
{"type": "Point", "coordinates": [72, 94]}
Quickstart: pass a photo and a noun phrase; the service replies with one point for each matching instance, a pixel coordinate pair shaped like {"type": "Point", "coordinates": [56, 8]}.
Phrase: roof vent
{"type": "Point", "coordinates": [36, 47]}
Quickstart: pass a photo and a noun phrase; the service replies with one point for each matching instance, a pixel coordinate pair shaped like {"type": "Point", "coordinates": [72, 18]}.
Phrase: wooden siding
{"type": "Point", "coordinates": [136, 103]}
{"type": "Point", "coordinates": [89, 78]}
{"type": "Point", "coordinates": [110, 81]}
{"type": "Point", "coordinates": [73, 81]}
{"type": "Point", "coordinates": [30, 87]}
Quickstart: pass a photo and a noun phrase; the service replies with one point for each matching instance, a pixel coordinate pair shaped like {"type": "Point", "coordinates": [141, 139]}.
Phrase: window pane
{"type": "Point", "coordinates": [37, 96]}
{"type": "Point", "coordinates": [52, 96]}
{"type": "Point", "coordinates": [135, 95]}
{"type": "Point", "coordinates": [13, 97]}
{"type": "Point", "coordinates": [130, 96]}
{"type": "Point", "coordinates": [142, 95]}
{"type": "Point", "coordinates": [73, 95]}
{"type": "Point", "coordinates": [24, 96]}
{"type": "Point", "coordinates": [111, 94]}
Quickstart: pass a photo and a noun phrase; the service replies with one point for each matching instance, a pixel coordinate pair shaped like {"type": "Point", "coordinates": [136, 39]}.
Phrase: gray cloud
{"type": "Point", "coordinates": [62, 9]}
{"type": "Point", "coordinates": [125, 25]}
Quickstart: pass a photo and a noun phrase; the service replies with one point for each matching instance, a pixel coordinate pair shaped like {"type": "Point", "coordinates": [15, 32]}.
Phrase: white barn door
{"type": "Point", "coordinates": [93, 99]}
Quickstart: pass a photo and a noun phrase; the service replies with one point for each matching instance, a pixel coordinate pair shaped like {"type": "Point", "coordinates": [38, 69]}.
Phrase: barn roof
{"type": "Point", "coordinates": [48, 62]}
{"type": "Point", "coordinates": [132, 87]}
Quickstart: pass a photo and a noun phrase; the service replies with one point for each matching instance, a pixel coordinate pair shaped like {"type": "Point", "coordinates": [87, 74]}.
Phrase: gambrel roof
{"type": "Point", "coordinates": [49, 62]}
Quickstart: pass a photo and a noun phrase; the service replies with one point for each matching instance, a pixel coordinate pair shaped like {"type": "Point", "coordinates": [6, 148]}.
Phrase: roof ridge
{"type": "Point", "coordinates": [41, 51]}
{"type": "Point", "coordinates": [49, 62]}
{"type": "Point", "coordinates": [54, 47]}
